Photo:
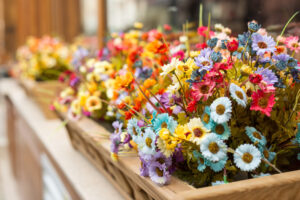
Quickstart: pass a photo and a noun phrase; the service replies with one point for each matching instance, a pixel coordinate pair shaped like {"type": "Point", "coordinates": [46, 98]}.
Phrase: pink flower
{"type": "Point", "coordinates": [263, 102]}
{"type": "Point", "coordinates": [179, 54]}
{"type": "Point", "coordinates": [202, 90]}
{"type": "Point", "coordinates": [202, 30]}
{"type": "Point", "coordinates": [292, 43]}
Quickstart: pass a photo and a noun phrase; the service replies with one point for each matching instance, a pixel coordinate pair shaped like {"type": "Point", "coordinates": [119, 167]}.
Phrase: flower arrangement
{"type": "Point", "coordinates": [42, 59]}
{"type": "Point", "coordinates": [227, 112]}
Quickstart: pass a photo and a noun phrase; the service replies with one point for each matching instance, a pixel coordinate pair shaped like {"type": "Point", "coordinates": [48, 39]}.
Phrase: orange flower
{"type": "Point", "coordinates": [124, 81]}
{"type": "Point", "coordinates": [149, 83]}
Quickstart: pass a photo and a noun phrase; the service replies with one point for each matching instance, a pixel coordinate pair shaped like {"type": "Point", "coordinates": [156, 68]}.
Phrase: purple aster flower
{"type": "Point", "coordinates": [262, 44]}
{"type": "Point", "coordinates": [268, 75]}
{"type": "Point", "coordinates": [144, 171]}
{"type": "Point", "coordinates": [162, 159]}
{"type": "Point", "coordinates": [165, 100]}
{"type": "Point", "coordinates": [159, 173]}
{"type": "Point", "coordinates": [78, 57]}
{"type": "Point", "coordinates": [143, 73]}
{"type": "Point", "coordinates": [177, 110]}
{"type": "Point", "coordinates": [203, 60]}
{"type": "Point", "coordinates": [115, 138]}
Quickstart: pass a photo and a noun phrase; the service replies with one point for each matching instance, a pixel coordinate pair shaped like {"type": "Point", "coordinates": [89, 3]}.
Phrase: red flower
{"type": "Point", "coordinates": [232, 45]}
{"type": "Point", "coordinates": [223, 66]}
{"type": "Point", "coordinates": [201, 45]}
{"type": "Point", "coordinates": [128, 115]}
{"type": "Point", "coordinates": [122, 105]}
{"type": "Point", "coordinates": [179, 54]}
{"type": "Point", "coordinates": [192, 106]}
{"type": "Point", "coordinates": [255, 78]}
{"type": "Point", "coordinates": [263, 102]}
{"type": "Point", "coordinates": [167, 27]}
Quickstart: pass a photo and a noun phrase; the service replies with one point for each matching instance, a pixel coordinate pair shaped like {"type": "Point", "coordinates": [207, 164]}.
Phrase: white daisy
{"type": "Point", "coordinates": [221, 110]}
{"type": "Point", "coordinates": [247, 157]}
{"type": "Point", "coordinates": [198, 131]}
{"type": "Point", "coordinates": [147, 145]}
{"type": "Point", "coordinates": [170, 67]}
{"type": "Point", "coordinates": [213, 148]}
{"type": "Point", "coordinates": [238, 94]}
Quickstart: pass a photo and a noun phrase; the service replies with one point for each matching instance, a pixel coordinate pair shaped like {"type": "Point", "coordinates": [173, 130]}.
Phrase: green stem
{"type": "Point", "coordinates": [200, 15]}
{"type": "Point", "coordinates": [283, 30]}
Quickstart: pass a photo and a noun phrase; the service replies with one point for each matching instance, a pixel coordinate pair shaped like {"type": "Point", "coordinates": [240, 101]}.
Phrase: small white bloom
{"type": "Point", "coordinates": [221, 110]}
{"type": "Point", "coordinates": [175, 62]}
{"type": "Point", "coordinates": [213, 148]}
{"type": "Point", "coordinates": [247, 157]}
{"type": "Point", "coordinates": [238, 94]}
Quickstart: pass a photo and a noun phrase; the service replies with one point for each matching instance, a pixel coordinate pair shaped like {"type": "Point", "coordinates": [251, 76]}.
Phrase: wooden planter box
{"type": "Point", "coordinates": [124, 174]}
{"type": "Point", "coordinates": [43, 94]}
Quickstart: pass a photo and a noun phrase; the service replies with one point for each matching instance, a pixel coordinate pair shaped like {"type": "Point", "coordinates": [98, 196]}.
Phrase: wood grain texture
{"type": "Point", "coordinates": [85, 136]}
{"type": "Point", "coordinates": [43, 93]}
{"type": "Point", "coordinates": [102, 23]}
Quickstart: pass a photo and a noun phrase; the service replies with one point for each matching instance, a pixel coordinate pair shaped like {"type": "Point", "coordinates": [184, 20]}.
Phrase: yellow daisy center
{"type": "Point", "coordinates": [198, 132]}
{"type": "Point", "coordinates": [159, 172]}
{"type": "Point", "coordinates": [220, 129]}
{"type": "Point", "coordinates": [263, 102]}
{"type": "Point", "coordinates": [256, 135]}
{"type": "Point", "coordinates": [220, 109]}
{"type": "Point", "coordinates": [262, 45]}
{"type": "Point", "coordinates": [134, 131]}
{"type": "Point", "coordinates": [148, 142]}
{"type": "Point", "coordinates": [206, 118]}
{"type": "Point", "coordinates": [204, 89]}
{"type": "Point", "coordinates": [247, 157]}
{"type": "Point", "coordinates": [205, 63]}
{"type": "Point", "coordinates": [164, 125]}
{"type": "Point", "coordinates": [266, 154]}
{"type": "Point", "coordinates": [213, 147]}
{"type": "Point", "coordinates": [239, 94]}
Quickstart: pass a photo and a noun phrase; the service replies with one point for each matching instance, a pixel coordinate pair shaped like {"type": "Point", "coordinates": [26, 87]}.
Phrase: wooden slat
{"type": "Point", "coordinates": [102, 23]}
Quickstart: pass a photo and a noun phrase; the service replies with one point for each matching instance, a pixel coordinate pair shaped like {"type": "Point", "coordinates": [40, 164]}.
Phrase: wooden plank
{"type": "Point", "coordinates": [102, 23]}
{"type": "Point", "coordinates": [279, 186]}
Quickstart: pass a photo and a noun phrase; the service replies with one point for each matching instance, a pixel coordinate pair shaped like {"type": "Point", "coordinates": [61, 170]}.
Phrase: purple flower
{"type": "Point", "coordinates": [162, 159]}
{"type": "Point", "coordinates": [154, 101]}
{"type": "Point", "coordinates": [177, 110]}
{"type": "Point", "coordinates": [144, 170]}
{"type": "Point", "coordinates": [115, 138]}
{"type": "Point", "coordinates": [203, 60]}
{"type": "Point", "coordinates": [86, 113]}
{"type": "Point", "coordinates": [262, 44]}
{"type": "Point", "coordinates": [165, 100]}
{"type": "Point", "coordinates": [78, 57]}
{"type": "Point", "coordinates": [141, 123]}
{"type": "Point", "coordinates": [159, 173]}
{"type": "Point", "coordinates": [281, 60]}
{"type": "Point", "coordinates": [268, 75]}
{"type": "Point", "coordinates": [143, 73]}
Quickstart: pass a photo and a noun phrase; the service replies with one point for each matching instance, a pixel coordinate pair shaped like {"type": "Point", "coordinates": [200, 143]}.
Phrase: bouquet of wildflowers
{"type": "Point", "coordinates": [100, 86]}
{"type": "Point", "coordinates": [43, 58]}
{"type": "Point", "coordinates": [227, 112]}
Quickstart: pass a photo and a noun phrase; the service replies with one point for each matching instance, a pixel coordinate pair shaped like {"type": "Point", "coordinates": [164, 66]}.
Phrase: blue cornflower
{"type": "Point", "coordinates": [143, 73]}
{"type": "Point", "coordinates": [243, 38]}
{"type": "Point", "coordinates": [216, 56]}
{"type": "Point", "coordinates": [196, 76]}
{"type": "Point", "coordinates": [262, 44]}
{"type": "Point", "coordinates": [253, 27]}
{"type": "Point", "coordinates": [202, 162]}
{"type": "Point", "coordinates": [223, 44]}
{"type": "Point", "coordinates": [279, 84]}
{"type": "Point", "coordinates": [296, 75]}
{"type": "Point", "coordinates": [212, 42]}
{"type": "Point", "coordinates": [164, 121]}
{"type": "Point", "coordinates": [255, 135]}
{"type": "Point", "coordinates": [138, 63]}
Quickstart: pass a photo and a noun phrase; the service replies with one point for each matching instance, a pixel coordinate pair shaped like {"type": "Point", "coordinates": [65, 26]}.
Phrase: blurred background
{"type": "Point", "coordinates": [70, 18]}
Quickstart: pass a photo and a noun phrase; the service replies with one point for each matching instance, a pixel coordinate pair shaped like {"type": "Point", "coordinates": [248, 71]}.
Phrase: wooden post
{"type": "Point", "coordinates": [102, 23]}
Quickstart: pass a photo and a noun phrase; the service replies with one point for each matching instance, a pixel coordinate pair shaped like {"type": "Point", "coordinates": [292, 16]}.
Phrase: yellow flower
{"type": "Point", "coordinates": [93, 103]}
{"type": "Point", "coordinates": [75, 107]}
{"type": "Point", "coordinates": [183, 132]}
{"type": "Point", "coordinates": [166, 143]}
{"type": "Point", "coordinates": [67, 92]}
{"type": "Point", "coordinates": [138, 25]}
{"type": "Point", "coordinates": [246, 69]}
{"type": "Point", "coordinates": [194, 54]}
{"type": "Point", "coordinates": [114, 156]}
{"type": "Point", "coordinates": [198, 131]}
{"type": "Point", "coordinates": [93, 77]}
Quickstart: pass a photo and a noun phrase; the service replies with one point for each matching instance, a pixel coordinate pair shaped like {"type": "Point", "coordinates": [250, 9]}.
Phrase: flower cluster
{"type": "Point", "coordinates": [43, 58]}
{"type": "Point", "coordinates": [231, 108]}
